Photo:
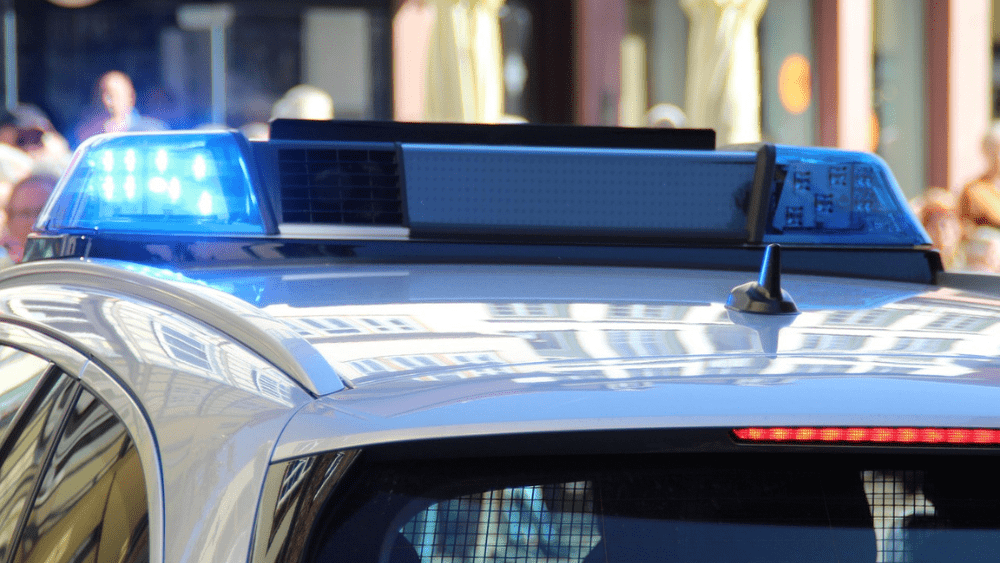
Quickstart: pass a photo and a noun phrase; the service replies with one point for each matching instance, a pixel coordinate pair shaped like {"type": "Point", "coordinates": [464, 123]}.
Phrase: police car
{"type": "Point", "coordinates": [403, 343]}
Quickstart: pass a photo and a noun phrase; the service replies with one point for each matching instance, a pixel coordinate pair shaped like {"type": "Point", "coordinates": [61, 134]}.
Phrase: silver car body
{"type": "Point", "coordinates": [217, 373]}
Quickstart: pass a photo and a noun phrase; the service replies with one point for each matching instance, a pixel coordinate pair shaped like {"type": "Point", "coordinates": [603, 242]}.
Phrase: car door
{"type": "Point", "coordinates": [24, 452]}
{"type": "Point", "coordinates": [72, 485]}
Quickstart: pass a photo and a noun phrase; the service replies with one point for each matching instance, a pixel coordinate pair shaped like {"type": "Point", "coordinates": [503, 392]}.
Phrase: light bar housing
{"type": "Point", "coordinates": [480, 183]}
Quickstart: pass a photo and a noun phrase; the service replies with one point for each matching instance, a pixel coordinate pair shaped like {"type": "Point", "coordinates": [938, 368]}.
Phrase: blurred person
{"type": "Point", "coordinates": [299, 102]}
{"type": "Point", "coordinates": [27, 198]}
{"type": "Point", "coordinates": [983, 250]}
{"type": "Point", "coordinates": [304, 102]}
{"type": "Point", "coordinates": [117, 112]}
{"type": "Point", "coordinates": [39, 139]}
{"type": "Point", "coordinates": [939, 216]}
{"type": "Point", "coordinates": [256, 131]}
{"type": "Point", "coordinates": [979, 200]}
{"type": "Point", "coordinates": [512, 119]}
{"type": "Point", "coordinates": [15, 163]}
{"type": "Point", "coordinates": [162, 104]}
{"type": "Point", "coordinates": [211, 126]}
{"type": "Point", "coordinates": [665, 115]}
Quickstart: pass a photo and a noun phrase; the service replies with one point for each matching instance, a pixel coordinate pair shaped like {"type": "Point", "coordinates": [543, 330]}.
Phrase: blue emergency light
{"type": "Point", "coordinates": [832, 197]}
{"type": "Point", "coordinates": [191, 182]}
{"type": "Point", "coordinates": [478, 183]}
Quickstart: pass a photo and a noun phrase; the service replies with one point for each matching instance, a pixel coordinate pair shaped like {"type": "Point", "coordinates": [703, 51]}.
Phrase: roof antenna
{"type": "Point", "coordinates": [762, 305]}
{"type": "Point", "coordinates": [765, 295]}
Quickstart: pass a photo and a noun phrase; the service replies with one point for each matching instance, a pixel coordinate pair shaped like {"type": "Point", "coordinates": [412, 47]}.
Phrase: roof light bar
{"type": "Point", "coordinates": [429, 186]}
{"type": "Point", "coordinates": [870, 435]}
{"type": "Point", "coordinates": [520, 134]}
{"type": "Point", "coordinates": [810, 196]}
{"type": "Point", "coordinates": [574, 193]}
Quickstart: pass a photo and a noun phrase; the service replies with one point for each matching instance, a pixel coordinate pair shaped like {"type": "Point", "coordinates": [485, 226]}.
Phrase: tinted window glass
{"type": "Point", "coordinates": [91, 503]}
{"type": "Point", "coordinates": [26, 454]}
{"type": "Point", "coordinates": [19, 373]}
{"type": "Point", "coordinates": [638, 509]}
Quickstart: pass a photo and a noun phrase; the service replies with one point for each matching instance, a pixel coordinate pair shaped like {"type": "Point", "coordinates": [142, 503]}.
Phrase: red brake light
{"type": "Point", "coordinates": [869, 435]}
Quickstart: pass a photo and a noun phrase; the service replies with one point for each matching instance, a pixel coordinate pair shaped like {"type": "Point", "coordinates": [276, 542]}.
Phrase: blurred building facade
{"type": "Point", "coordinates": [914, 80]}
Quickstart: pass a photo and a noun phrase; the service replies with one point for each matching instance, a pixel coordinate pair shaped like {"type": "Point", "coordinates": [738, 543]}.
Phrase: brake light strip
{"type": "Point", "coordinates": [872, 435]}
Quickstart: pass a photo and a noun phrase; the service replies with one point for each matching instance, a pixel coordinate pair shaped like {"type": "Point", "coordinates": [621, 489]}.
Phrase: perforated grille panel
{"type": "Point", "coordinates": [580, 191]}
{"type": "Point", "coordinates": [340, 186]}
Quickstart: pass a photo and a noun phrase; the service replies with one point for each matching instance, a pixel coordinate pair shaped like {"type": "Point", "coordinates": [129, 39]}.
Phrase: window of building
{"type": "Point", "coordinates": [645, 343]}
{"type": "Point", "coordinates": [534, 310]}
{"type": "Point", "coordinates": [185, 348]}
{"type": "Point", "coordinates": [322, 326]}
{"type": "Point", "coordinates": [962, 323]}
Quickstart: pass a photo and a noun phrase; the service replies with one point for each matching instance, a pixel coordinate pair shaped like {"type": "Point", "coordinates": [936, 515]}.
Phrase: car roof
{"type": "Point", "coordinates": [535, 320]}
{"type": "Point", "coordinates": [423, 351]}
{"type": "Point", "coordinates": [432, 350]}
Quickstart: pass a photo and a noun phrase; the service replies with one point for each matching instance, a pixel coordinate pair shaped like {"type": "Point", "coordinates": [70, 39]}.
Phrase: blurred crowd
{"type": "Point", "coordinates": [964, 222]}
{"type": "Point", "coordinates": [32, 157]}
{"type": "Point", "coordinates": [33, 154]}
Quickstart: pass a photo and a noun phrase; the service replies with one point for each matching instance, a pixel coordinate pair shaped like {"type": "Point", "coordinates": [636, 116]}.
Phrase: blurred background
{"type": "Point", "coordinates": [915, 81]}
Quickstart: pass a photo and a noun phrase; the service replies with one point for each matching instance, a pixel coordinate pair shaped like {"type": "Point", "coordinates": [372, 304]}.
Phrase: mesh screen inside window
{"type": "Point", "coordinates": [663, 508]}
{"type": "Point", "coordinates": [514, 524]}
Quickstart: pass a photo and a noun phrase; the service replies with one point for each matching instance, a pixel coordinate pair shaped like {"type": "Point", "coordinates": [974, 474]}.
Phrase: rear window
{"type": "Point", "coordinates": [690, 508]}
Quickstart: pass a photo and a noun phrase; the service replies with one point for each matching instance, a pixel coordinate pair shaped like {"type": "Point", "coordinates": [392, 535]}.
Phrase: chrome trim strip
{"type": "Point", "coordinates": [346, 232]}
{"type": "Point", "coordinates": [35, 340]}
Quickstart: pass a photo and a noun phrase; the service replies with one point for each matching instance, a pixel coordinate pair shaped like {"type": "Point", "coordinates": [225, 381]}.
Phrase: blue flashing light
{"type": "Point", "coordinates": [205, 203]}
{"type": "Point", "coordinates": [834, 197]}
{"type": "Point", "coordinates": [177, 182]}
{"type": "Point", "coordinates": [161, 161]}
{"type": "Point", "coordinates": [199, 167]}
{"type": "Point", "coordinates": [130, 161]}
